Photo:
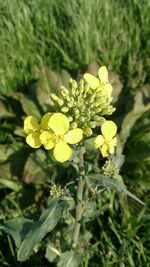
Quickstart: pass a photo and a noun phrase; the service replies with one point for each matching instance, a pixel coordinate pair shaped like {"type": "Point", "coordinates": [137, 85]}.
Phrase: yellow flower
{"type": "Point", "coordinates": [34, 129]}
{"type": "Point", "coordinates": [60, 136]}
{"type": "Point", "coordinates": [52, 132]}
{"type": "Point", "coordinates": [106, 142]}
{"type": "Point", "coordinates": [101, 82]}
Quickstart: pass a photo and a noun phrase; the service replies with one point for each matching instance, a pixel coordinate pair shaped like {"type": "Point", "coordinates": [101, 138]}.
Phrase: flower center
{"type": "Point", "coordinates": [59, 138]}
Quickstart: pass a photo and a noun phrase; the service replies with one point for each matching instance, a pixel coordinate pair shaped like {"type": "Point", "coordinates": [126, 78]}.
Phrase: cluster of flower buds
{"type": "Point", "coordinates": [109, 169]}
{"type": "Point", "coordinates": [85, 103]}
{"type": "Point", "coordinates": [56, 191]}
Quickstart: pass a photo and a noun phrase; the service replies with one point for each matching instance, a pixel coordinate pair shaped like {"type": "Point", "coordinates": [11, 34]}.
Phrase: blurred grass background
{"type": "Point", "coordinates": [71, 34]}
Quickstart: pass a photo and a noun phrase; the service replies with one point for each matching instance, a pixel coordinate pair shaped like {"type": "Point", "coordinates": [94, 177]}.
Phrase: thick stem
{"type": "Point", "coordinates": [79, 206]}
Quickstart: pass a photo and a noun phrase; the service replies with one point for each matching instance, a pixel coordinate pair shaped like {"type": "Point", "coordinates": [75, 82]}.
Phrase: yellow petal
{"type": "Point", "coordinates": [111, 148]}
{"type": "Point", "coordinates": [91, 80]}
{"type": "Point", "coordinates": [73, 136]}
{"type": "Point", "coordinates": [99, 140]}
{"type": "Point", "coordinates": [114, 141]}
{"type": "Point", "coordinates": [62, 152]}
{"type": "Point", "coordinates": [31, 124]}
{"type": "Point", "coordinates": [109, 89]}
{"type": "Point", "coordinates": [103, 74]}
{"type": "Point", "coordinates": [59, 123]}
{"type": "Point", "coordinates": [109, 129]}
{"type": "Point", "coordinates": [104, 150]}
{"type": "Point", "coordinates": [33, 140]}
{"type": "Point", "coordinates": [45, 121]}
{"type": "Point", "coordinates": [47, 139]}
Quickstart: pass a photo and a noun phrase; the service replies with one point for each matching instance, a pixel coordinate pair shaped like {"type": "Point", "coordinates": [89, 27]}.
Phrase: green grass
{"type": "Point", "coordinates": [72, 34]}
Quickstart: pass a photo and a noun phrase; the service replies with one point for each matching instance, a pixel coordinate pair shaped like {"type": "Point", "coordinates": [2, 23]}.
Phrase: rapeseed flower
{"type": "Point", "coordinates": [107, 141]}
{"type": "Point", "coordinates": [34, 129]}
{"type": "Point", "coordinates": [100, 83]}
{"type": "Point", "coordinates": [52, 133]}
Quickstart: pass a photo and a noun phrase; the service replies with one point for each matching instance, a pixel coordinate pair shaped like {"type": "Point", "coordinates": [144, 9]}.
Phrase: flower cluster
{"type": "Point", "coordinates": [109, 169]}
{"type": "Point", "coordinates": [56, 191]}
{"type": "Point", "coordinates": [80, 108]}
{"type": "Point", "coordinates": [53, 133]}
{"type": "Point", "coordinates": [87, 102]}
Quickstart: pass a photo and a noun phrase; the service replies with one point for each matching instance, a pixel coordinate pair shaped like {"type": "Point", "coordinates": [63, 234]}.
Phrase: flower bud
{"type": "Point", "coordinates": [64, 109]}
{"type": "Point", "coordinates": [91, 124]}
{"type": "Point", "coordinates": [60, 102]}
{"type": "Point", "coordinates": [70, 119]}
{"type": "Point", "coordinates": [108, 110]}
{"type": "Point", "coordinates": [87, 131]}
{"type": "Point", "coordinates": [76, 112]}
{"type": "Point", "coordinates": [64, 91]}
{"type": "Point", "coordinates": [82, 119]}
{"type": "Point", "coordinates": [54, 97]}
{"type": "Point", "coordinates": [74, 125]}
{"type": "Point", "coordinates": [81, 87]}
{"type": "Point", "coordinates": [98, 109]}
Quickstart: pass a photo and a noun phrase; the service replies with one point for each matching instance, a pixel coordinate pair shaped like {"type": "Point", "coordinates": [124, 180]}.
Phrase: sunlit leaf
{"type": "Point", "coordinates": [69, 259]}
{"type": "Point", "coordinates": [46, 223]}
{"type": "Point", "coordinates": [98, 180]}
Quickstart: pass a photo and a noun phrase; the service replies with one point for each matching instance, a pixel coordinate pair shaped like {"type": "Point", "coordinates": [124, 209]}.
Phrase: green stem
{"type": "Point", "coordinates": [79, 206]}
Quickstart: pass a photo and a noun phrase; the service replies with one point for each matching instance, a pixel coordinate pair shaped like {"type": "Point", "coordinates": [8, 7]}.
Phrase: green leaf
{"type": "Point", "coordinates": [51, 252]}
{"type": "Point", "coordinates": [98, 180]}
{"type": "Point", "coordinates": [6, 183]}
{"type": "Point", "coordinates": [46, 223]}
{"type": "Point", "coordinates": [70, 259]}
{"type": "Point", "coordinates": [49, 82]}
{"type": "Point", "coordinates": [29, 107]}
{"type": "Point", "coordinates": [18, 228]}
{"type": "Point", "coordinates": [132, 116]}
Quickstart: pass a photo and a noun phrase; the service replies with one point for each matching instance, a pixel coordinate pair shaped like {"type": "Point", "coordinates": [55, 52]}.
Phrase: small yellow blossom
{"type": "Point", "coordinates": [53, 133]}
{"type": "Point", "coordinates": [34, 129]}
{"type": "Point", "coordinates": [101, 82]}
{"type": "Point", "coordinates": [106, 142]}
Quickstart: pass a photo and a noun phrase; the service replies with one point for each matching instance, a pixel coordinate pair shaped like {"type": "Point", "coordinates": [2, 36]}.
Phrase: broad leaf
{"type": "Point", "coordinates": [46, 223]}
{"type": "Point", "coordinates": [51, 252]}
{"type": "Point", "coordinates": [131, 117]}
{"type": "Point", "coordinates": [98, 180]}
{"type": "Point", "coordinates": [18, 228]}
{"type": "Point", "coordinates": [70, 259]}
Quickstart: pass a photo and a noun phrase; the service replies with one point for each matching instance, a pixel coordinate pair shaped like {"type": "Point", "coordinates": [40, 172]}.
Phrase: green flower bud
{"type": "Point", "coordinates": [70, 104]}
{"type": "Point", "coordinates": [92, 113]}
{"type": "Point", "coordinates": [81, 87]}
{"type": "Point", "coordinates": [100, 100]}
{"type": "Point", "coordinates": [64, 109]}
{"type": "Point", "coordinates": [74, 125]}
{"type": "Point", "coordinates": [98, 109]}
{"type": "Point", "coordinates": [77, 113]}
{"type": "Point", "coordinates": [82, 119]}
{"type": "Point", "coordinates": [54, 97]}
{"type": "Point", "coordinates": [92, 98]}
{"type": "Point", "coordinates": [64, 91]}
{"type": "Point", "coordinates": [70, 119]}
{"type": "Point", "coordinates": [108, 111]}
{"type": "Point", "coordinates": [56, 191]}
{"type": "Point", "coordinates": [60, 102]}
{"type": "Point", "coordinates": [74, 84]}
{"type": "Point", "coordinates": [68, 99]}
{"type": "Point", "coordinates": [91, 124]}
{"type": "Point", "coordinates": [87, 131]}
{"type": "Point", "coordinates": [109, 169]}
{"type": "Point", "coordinates": [100, 93]}
{"type": "Point", "coordinates": [86, 87]}
{"type": "Point", "coordinates": [98, 118]}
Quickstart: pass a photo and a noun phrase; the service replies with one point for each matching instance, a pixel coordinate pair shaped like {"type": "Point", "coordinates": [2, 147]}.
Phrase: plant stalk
{"type": "Point", "coordinates": [79, 206]}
